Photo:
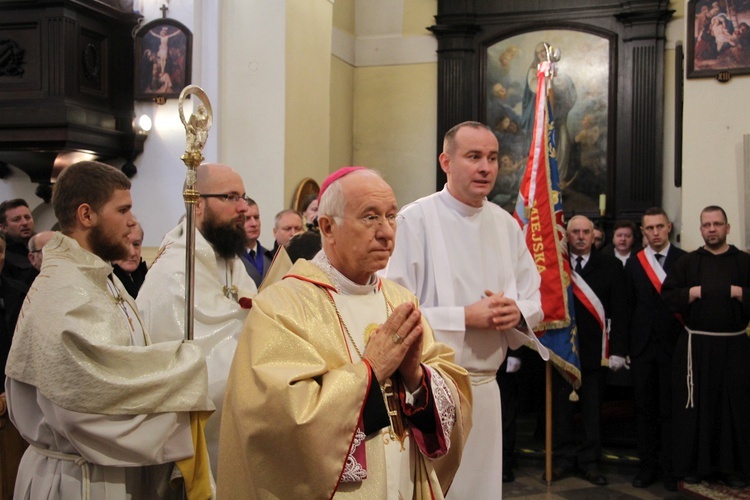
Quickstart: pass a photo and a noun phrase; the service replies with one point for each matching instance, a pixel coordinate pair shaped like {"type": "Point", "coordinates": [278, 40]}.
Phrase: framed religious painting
{"type": "Point", "coordinates": [582, 112]}
{"type": "Point", "coordinates": [718, 38]}
{"type": "Point", "coordinates": [163, 59]}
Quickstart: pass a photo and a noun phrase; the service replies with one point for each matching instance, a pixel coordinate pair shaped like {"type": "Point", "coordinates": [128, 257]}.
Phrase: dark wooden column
{"type": "Point", "coordinates": [640, 141]}
{"type": "Point", "coordinates": [457, 62]}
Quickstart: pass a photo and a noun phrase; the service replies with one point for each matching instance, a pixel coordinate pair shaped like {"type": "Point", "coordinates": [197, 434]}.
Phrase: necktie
{"type": "Point", "coordinates": [579, 265]}
{"type": "Point", "coordinates": [660, 259]}
{"type": "Point", "coordinates": [257, 263]}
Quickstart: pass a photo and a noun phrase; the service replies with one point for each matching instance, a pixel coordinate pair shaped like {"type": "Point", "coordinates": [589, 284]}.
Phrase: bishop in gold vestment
{"type": "Point", "coordinates": [338, 387]}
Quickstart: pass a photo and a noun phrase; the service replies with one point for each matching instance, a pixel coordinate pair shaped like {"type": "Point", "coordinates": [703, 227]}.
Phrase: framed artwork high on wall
{"type": "Point", "coordinates": [163, 59]}
{"type": "Point", "coordinates": [718, 37]}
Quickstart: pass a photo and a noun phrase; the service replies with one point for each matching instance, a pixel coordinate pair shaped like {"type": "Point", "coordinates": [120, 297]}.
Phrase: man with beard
{"type": "Point", "coordinates": [17, 223]}
{"type": "Point", "coordinates": [104, 410]}
{"type": "Point", "coordinates": [710, 288]}
{"type": "Point", "coordinates": [223, 288]}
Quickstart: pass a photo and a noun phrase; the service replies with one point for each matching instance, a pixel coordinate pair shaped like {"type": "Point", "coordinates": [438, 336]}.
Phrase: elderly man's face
{"type": "Point", "coordinates": [36, 257]}
{"type": "Point", "coordinates": [580, 235]}
{"type": "Point", "coordinates": [363, 242]}
{"type": "Point", "coordinates": [135, 249]}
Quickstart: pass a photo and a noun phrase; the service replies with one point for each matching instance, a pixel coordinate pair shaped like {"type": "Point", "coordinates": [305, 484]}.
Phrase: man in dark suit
{"type": "Point", "coordinates": [651, 341]}
{"type": "Point", "coordinates": [254, 258]}
{"type": "Point", "coordinates": [600, 305]}
{"type": "Point", "coordinates": [17, 223]}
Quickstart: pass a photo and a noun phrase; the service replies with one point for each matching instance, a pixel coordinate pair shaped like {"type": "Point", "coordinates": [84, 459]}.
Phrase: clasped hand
{"type": "Point", "coordinates": [397, 346]}
{"type": "Point", "coordinates": [495, 311]}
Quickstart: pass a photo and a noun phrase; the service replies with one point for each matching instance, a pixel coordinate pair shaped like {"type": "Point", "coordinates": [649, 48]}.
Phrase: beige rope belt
{"type": "Point", "coordinates": [690, 399]}
{"type": "Point", "coordinates": [481, 378]}
{"type": "Point", "coordinates": [77, 460]}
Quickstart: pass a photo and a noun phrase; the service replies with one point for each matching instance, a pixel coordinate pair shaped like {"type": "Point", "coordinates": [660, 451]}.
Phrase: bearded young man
{"type": "Point", "coordinates": [105, 411]}
{"type": "Point", "coordinates": [710, 288]}
{"type": "Point", "coordinates": [223, 288]}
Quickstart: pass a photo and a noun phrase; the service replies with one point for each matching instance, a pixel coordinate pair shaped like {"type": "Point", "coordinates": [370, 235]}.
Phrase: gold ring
{"type": "Point", "coordinates": [396, 338]}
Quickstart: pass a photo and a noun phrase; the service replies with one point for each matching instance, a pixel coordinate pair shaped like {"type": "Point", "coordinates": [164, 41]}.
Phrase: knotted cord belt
{"type": "Point", "coordinates": [77, 460]}
{"type": "Point", "coordinates": [690, 399]}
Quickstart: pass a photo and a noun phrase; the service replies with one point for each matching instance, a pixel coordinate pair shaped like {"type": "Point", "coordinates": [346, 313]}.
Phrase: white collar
{"type": "Point", "coordinates": [343, 284]}
{"type": "Point", "coordinates": [584, 259]}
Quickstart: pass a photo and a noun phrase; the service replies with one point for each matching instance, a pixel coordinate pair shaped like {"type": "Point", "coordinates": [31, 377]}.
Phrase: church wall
{"type": "Point", "coordinates": [395, 94]}
{"type": "Point", "coordinates": [715, 119]}
{"type": "Point", "coordinates": [395, 113]}
{"type": "Point", "coordinates": [308, 90]}
{"type": "Point", "coordinates": [342, 115]}
{"type": "Point", "coordinates": [671, 195]}
{"type": "Point", "coordinates": [342, 85]}
{"type": "Point", "coordinates": [252, 105]}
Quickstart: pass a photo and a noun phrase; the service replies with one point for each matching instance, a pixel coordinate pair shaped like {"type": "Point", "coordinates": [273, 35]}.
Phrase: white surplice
{"type": "Point", "coordinates": [218, 317]}
{"type": "Point", "coordinates": [104, 410]}
{"type": "Point", "coordinates": [115, 472]}
{"type": "Point", "coordinates": [448, 253]}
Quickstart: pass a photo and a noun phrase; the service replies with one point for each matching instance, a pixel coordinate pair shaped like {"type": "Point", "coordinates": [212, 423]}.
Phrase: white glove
{"type": "Point", "coordinates": [512, 365]}
{"type": "Point", "coordinates": [617, 362]}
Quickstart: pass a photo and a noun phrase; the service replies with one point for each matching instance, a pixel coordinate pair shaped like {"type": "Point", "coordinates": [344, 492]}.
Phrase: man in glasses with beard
{"type": "Point", "coordinates": [104, 409]}
{"type": "Point", "coordinates": [223, 288]}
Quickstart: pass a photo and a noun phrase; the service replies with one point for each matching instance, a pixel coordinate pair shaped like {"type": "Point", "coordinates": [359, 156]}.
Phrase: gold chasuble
{"type": "Point", "coordinates": [293, 416]}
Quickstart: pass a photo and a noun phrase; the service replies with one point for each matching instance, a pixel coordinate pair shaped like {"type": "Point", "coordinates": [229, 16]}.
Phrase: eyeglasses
{"type": "Point", "coordinates": [229, 198]}
{"type": "Point", "coordinates": [371, 220]}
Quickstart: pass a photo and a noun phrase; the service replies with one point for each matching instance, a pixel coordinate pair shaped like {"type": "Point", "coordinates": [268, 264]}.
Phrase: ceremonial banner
{"type": "Point", "coordinates": [539, 212]}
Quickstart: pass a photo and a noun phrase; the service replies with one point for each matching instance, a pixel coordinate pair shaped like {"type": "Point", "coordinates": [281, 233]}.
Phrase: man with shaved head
{"type": "Point", "coordinates": [222, 286]}
{"type": "Point", "coordinates": [36, 243]}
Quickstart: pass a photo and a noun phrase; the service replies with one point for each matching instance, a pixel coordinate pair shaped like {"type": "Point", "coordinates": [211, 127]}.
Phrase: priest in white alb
{"type": "Point", "coordinates": [467, 262]}
{"type": "Point", "coordinates": [223, 289]}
